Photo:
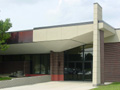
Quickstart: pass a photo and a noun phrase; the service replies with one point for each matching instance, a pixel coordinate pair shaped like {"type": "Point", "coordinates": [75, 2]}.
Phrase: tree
{"type": "Point", "coordinates": [4, 36]}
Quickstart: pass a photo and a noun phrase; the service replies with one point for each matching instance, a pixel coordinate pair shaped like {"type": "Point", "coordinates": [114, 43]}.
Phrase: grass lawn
{"type": "Point", "coordinates": [113, 86]}
{"type": "Point", "coordinates": [5, 78]}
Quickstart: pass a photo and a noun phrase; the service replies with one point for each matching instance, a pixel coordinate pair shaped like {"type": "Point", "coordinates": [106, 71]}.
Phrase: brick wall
{"type": "Point", "coordinates": [26, 36]}
{"type": "Point", "coordinates": [57, 66]}
{"type": "Point", "coordinates": [21, 37]}
{"type": "Point", "coordinates": [112, 62]}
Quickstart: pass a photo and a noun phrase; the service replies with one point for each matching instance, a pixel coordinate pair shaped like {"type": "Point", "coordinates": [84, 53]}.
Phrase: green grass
{"type": "Point", "coordinates": [5, 78]}
{"type": "Point", "coordinates": [113, 86]}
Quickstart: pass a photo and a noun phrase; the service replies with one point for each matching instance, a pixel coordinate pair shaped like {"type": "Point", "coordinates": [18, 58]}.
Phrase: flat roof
{"type": "Point", "coordinates": [63, 25]}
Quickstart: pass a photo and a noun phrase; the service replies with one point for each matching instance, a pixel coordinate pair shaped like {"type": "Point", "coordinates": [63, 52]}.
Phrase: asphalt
{"type": "Point", "coordinates": [55, 85]}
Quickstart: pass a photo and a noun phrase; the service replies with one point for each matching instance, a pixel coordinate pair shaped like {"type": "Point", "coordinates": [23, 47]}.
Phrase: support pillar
{"type": "Point", "coordinates": [57, 66]}
{"type": "Point", "coordinates": [96, 45]}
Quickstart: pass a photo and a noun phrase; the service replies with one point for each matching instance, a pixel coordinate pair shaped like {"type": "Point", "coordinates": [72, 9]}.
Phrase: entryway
{"type": "Point", "coordinates": [81, 71]}
{"type": "Point", "coordinates": [78, 63]}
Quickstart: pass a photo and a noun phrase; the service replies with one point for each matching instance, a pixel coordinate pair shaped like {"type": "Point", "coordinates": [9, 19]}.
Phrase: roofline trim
{"type": "Point", "coordinates": [117, 28]}
{"type": "Point", "coordinates": [101, 21]}
{"type": "Point", "coordinates": [65, 25]}
{"type": "Point", "coordinates": [20, 31]}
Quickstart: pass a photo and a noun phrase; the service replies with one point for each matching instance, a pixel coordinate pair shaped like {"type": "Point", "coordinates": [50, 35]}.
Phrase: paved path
{"type": "Point", "coordinates": [55, 85]}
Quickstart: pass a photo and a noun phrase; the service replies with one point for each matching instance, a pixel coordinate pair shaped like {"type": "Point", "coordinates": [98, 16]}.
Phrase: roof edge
{"type": "Point", "coordinates": [64, 25]}
{"type": "Point", "coordinates": [117, 28]}
{"type": "Point", "coordinates": [20, 30]}
{"type": "Point", "coordinates": [101, 21]}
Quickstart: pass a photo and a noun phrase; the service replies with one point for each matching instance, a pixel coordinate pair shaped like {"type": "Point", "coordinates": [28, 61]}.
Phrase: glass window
{"type": "Point", "coordinates": [78, 63]}
{"type": "Point", "coordinates": [84, 52]}
{"type": "Point", "coordinates": [16, 58]}
{"type": "Point", "coordinates": [41, 64]}
{"type": "Point", "coordinates": [8, 58]}
{"type": "Point", "coordinates": [88, 56]}
{"type": "Point", "coordinates": [88, 71]}
{"type": "Point", "coordinates": [45, 64]}
{"type": "Point", "coordinates": [1, 59]}
{"type": "Point", "coordinates": [26, 57]}
{"type": "Point", "coordinates": [88, 48]}
{"type": "Point", "coordinates": [36, 64]}
{"type": "Point", "coordinates": [75, 54]}
{"type": "Point", "coordinates": [76, 50]}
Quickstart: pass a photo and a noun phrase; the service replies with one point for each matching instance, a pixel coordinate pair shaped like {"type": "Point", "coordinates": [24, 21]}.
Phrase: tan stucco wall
{"type": "Point", "coordinates": [61, 33]}
{"type": "Point", "coordinates": [113, 38]}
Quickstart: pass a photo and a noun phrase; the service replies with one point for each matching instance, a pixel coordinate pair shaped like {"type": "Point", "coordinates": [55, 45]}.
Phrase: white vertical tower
{"type": "Point", "coordinates": [96, 44]}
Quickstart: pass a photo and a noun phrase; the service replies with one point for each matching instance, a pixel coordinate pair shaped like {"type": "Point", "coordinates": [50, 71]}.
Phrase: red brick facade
{"type": "Point", "coordinates": [21, 37]}
{"type": "Point", "coordinates": [112, 62]}
{"type": "Point", "coordinates": [57, 66]}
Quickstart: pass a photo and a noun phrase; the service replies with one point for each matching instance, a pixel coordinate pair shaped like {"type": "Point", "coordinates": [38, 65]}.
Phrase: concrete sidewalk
{"type": "Point", "coordinates": [55, 85]}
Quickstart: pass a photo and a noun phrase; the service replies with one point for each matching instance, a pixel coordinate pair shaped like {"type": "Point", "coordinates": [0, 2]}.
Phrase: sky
{"type": "Point", "coordinates": [27, 14]}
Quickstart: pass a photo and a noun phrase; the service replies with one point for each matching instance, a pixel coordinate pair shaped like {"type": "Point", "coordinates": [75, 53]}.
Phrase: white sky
{"type": "Point", "coordinates": [27, 14]}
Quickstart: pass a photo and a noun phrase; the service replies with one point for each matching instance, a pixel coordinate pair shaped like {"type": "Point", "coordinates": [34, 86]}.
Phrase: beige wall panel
{"type": "Point", "coordinates": [61, 33]}
{"type": "Point", "coordinates": [109, 28]}
{"type": "Point", "coordinates": [39, 35]}
{"type": "Point", "coordinates": [100, 25]}
{"type": "Point", "coordinates": [84, 38]}
{"type": "Point", "coordinates": [53, 33]}
{"type": "Point", "coordinates": [106, 27]}
{"type": "Point", "coordinates": [69, 32]}
{"type": "Point", "coordinates": [113, 38]}
{"type": "Point", "coordinates": [83, 29]}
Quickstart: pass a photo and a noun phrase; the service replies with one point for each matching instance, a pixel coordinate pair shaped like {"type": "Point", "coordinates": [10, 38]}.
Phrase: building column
{"type": "Point", "coordinates": [96, 45]}
{"type": "Point", "coordinates": [57, 66]}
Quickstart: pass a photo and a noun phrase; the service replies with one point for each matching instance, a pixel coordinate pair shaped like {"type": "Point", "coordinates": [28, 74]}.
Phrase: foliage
{"type": "Point", "coordinates": [5, 78]}
{"type": "Point", "coordinates": [113, 86]}
{"type": "Point", "coordinates": [4, 26]}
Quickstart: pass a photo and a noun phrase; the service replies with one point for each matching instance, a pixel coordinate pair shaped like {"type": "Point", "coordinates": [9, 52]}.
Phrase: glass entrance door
{"type": "Point", "coordinates": [71, 71]}
{"type": "Point", "coordinates": [81, 71]}
{"type": "Point", "coordinates": [88, 71]}
{"type": "Point", "coordinates": [78, 63]}
{"type": "Point", "coordinates": [75, 71]}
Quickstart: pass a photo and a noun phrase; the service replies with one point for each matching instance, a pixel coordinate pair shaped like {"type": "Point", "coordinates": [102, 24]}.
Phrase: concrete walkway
{"type": "Point", "coordinates": [55, 85]}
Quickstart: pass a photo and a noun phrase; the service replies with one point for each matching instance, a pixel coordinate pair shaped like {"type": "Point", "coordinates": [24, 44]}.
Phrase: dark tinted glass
{"type": "Point", "coordinates": [75, 54]}
{"type": "Point", "coordinates": [78, 63]}
{"type": "Point", "coordinates": [39, 63]}
{"type": "Point", "coordinates": [88, 48]}
{"type": "Point", "coordinates": [88, 56]}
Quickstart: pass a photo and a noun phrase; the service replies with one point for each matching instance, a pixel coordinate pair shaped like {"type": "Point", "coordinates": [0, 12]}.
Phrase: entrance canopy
{"type": "Point", "coordinates": [57, 38]}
